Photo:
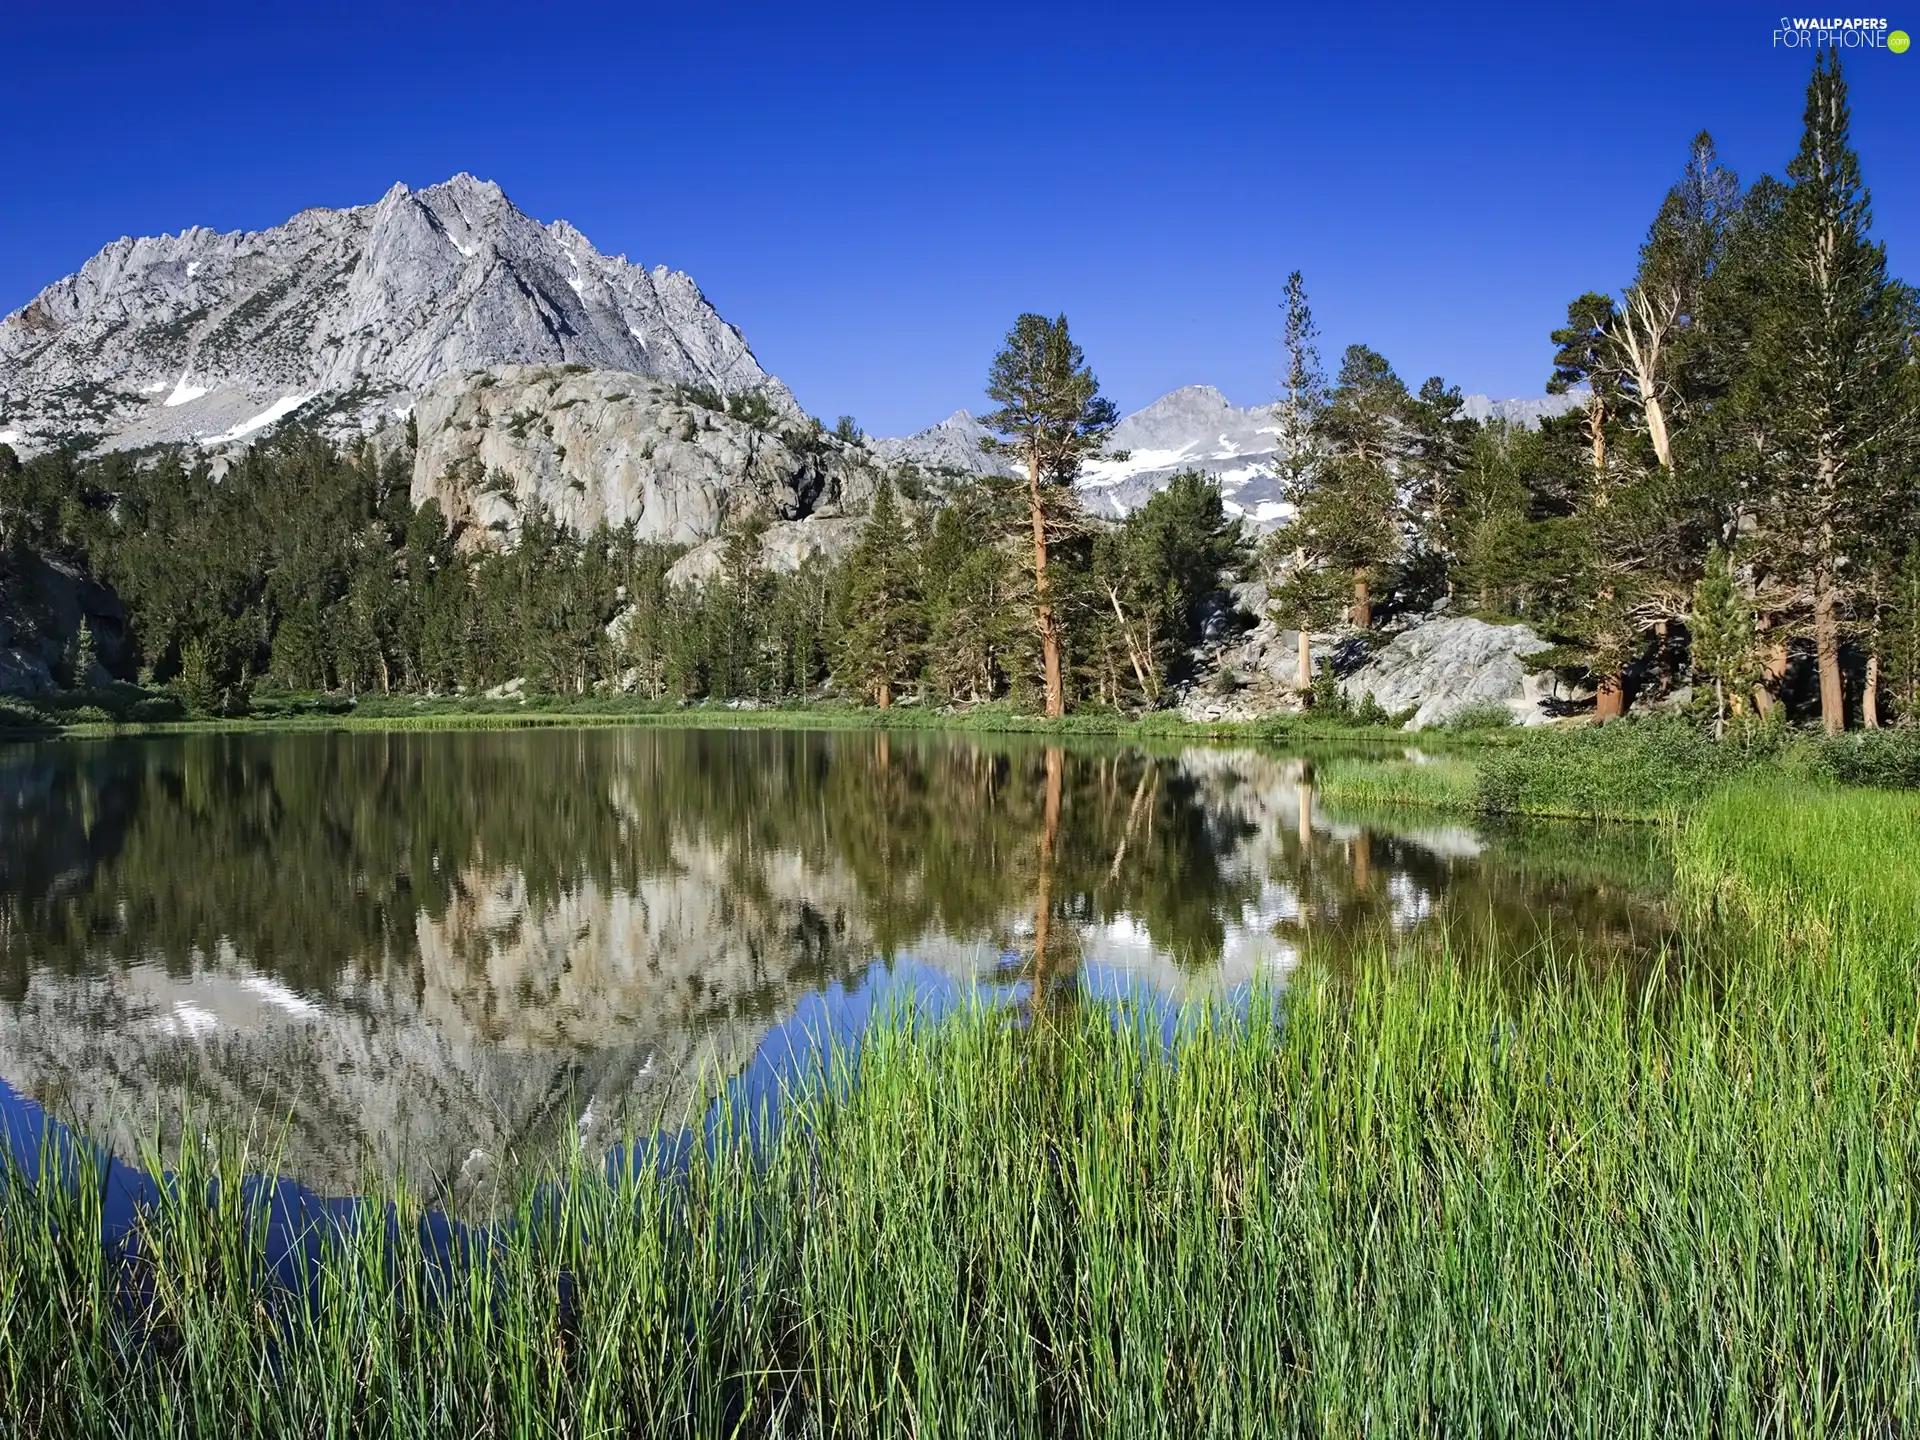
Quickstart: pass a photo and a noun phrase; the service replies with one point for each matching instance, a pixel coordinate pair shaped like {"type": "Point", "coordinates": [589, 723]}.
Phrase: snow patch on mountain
{"type": "Point", "coordinates": [183, 393]}
{"type": "Point", "coordinates": [279, 410]}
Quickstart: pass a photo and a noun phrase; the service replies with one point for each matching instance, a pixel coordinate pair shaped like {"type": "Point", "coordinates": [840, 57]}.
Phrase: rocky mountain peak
{"type": "Point", "coordinates": [343, 316]}
{"type": "Point", "coordinates": [1175, 417]}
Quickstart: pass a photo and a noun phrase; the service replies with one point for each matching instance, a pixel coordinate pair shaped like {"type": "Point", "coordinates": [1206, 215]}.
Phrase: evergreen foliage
{"type": "Point", "coordinates": [883, 625]}
{"type": "Point", "coordinates": [1348, 516]}
{"type": "Point", "coordinates": [1051, 418]}
{"type": "Point", "coordinates": [1722, 634]}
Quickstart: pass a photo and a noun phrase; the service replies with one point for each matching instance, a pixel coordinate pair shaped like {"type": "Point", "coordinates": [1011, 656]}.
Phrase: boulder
{"type": "Point", "coordinates": [1442, 667]}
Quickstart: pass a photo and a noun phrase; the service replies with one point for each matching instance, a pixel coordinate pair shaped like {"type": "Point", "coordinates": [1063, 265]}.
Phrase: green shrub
{"type": "Point", "coordinates": [19, 716]}
{"type": "Point", "coordinates": [1882, 759]}
{"type": "Point", "coordinates": [1481, 715]}
{"type": "Point", "coordinates": [1628, 770]}
{"type": "Point", "coordinates": [1371, 712]}
{"type": "Point", "coordinates": [1326, 699]}
{"type": "Point", "coordinates": [156, 709]}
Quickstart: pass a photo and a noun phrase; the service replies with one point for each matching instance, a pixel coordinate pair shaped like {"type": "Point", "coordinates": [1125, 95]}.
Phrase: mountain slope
{"type": "Point", "coordinates": [346, 314]}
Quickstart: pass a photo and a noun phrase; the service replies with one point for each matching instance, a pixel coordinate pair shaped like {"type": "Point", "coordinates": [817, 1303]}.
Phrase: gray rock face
{"type": "Point", "coordinates": [594, 445]}
{"type": "Point", "coordinates": [43, 603]}
{"type": "Point", "coordinates": [784, 548]}
{"type": "Point", "coordinates": [342, 314]}
{"type": "Point", "coordinates": [1440, 668]}
{"type": "Point", "coordinates": [952, 447]}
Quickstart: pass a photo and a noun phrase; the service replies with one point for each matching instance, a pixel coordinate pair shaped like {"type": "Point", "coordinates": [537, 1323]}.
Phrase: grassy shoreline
{"type": "Point", "coordinates": [1423, 1205]}
{"type": "Point", "coordinates": [1643, 770]}
{"type": "Point", "coordinates": [987, 719]}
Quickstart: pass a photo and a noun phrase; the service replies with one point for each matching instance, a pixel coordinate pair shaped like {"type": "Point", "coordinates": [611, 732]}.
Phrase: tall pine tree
{"type": "Point", "coordinates": [1722, 639]}
{"type": "Point", "coordinates": [1829, 359]}
{"type": "Point", "coordinates": [1301, 595]}
{"type": "Point", "coordinates": [1348, 514]}
{"type": "Point", "coordinates": [1051, 417]}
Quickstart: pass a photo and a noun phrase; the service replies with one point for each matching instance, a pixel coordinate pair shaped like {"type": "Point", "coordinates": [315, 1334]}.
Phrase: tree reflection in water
{"type": "Point", "coordinates": [452, 946]}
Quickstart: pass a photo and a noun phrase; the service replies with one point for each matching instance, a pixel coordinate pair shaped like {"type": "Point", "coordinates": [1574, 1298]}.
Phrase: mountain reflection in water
{"type": "Point", "coordinates": [460, 950]}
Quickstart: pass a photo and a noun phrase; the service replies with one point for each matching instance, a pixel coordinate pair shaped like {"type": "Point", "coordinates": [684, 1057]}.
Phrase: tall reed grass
{"type": "Point", "coordinates": [1408, 1203]}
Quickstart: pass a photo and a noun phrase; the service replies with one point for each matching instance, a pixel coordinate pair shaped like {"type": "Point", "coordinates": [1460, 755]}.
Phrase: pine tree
{"type": "Point", "coordinates": [1722, 638]}
{"type": "Point", "coordinates": [883, 624]}
{"type": "Point", "coordinates": [1155, 572]}
{"type": "Point", "coordinates": [1051, 417]}
{"type": "Point", "coordinates": [1649, 332]}
{"type": "Point", "coordinates": [1298, 592]}
{"type": "Point", "coordinates": [1303, 389]}
{"type": "Point", "coordinates": [1348, 515]}
{"type": "Point", "coordinates": [1597, 615]}
{"type": "Point", "coordinates": [1584, 357]}
{"type": "Point", "coordinates": [1830, 358]}
{"type": "Point", "coordinates": [1440, 439]}
{"type": "Point", "coordinates": [85, 655]}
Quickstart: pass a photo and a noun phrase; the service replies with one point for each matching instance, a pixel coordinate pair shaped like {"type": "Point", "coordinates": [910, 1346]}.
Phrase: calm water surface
{"type": "Point", "coordinates": [447, 952]}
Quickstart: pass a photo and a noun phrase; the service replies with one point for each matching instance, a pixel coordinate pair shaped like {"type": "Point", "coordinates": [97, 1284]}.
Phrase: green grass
{"type": "Point", "coordinates": [1656, 768]}
{"type": "Point", "coordinates": [1423, 1204]}
{"type": "Point", "coordinates": [1443, 782]}
{"type": "Point", "coordinates": [1801, 858]}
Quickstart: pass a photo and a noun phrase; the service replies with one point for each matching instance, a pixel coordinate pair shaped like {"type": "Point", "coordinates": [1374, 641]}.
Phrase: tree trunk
{"type": "Point", "coordinates": [1043, 606]}
{"type": "Point", "coordinates": [1870, 697]}
{"type": "Point", "coordinates": [886, 694]}
{"type": "Point", "coordinates": [1363, 862]}
{"type": "Point", "coordinates": [1719, 709]}
{"type": "Point", "coordinates": [1826, 642]}
{"type": "Point", "coordinates": [1303, 671]}
{"type": "Point", "coordinates": [1610, 702]}
{"type": "Point", "coordinates": [1362, 600]}
{"type": "Point", "coordinates": [1597, 433]}
{"type": "Point", "coordinates": [1147, 687]}
{"type": "Point", "coordinates": [1773, 674]}
{"type": "Point", "coordinates": [1657, 432]}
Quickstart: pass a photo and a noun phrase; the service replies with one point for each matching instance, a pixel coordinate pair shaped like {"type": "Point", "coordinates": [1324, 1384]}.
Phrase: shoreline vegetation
{"type": "Point", "coordinates": [1596, 1204]}
{"type": "Point", "coordinates": [1642, 769]}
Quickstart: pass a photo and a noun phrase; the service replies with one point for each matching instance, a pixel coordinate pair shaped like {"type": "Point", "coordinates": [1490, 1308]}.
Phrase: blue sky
{"type": "Point", "coordinates": [873, 192]}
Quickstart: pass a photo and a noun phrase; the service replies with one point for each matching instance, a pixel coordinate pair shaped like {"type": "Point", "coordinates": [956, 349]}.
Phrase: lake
{"type": "Point", "coordinates": [455, 953]}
